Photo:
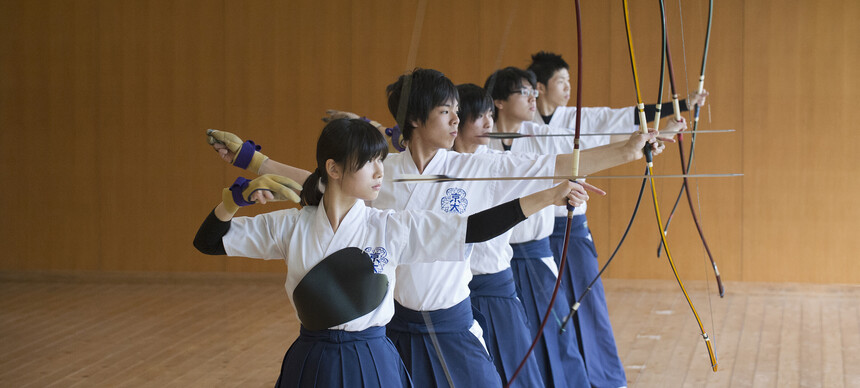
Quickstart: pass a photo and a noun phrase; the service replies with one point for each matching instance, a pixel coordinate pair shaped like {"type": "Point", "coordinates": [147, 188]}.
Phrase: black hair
{"type": "Point", "coordinates": [350, 143]}
{"type": "Point", "coordinates": [424, 90]}
{"type": "Point", "coordinates": [545, 64]}
{"type": "Point", "coordinates": [474, 101]}
{"type": "Point", "coordinates": [502, 83]}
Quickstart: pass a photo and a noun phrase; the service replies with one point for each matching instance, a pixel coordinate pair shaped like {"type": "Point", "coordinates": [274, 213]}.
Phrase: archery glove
{"type": "Point", "coordinates": [239, 194]}
{"type": "Point", "coordinates": [247, 155]}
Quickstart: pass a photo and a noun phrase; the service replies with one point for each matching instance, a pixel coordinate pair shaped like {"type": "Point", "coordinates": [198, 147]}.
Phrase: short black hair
{"type": "Point", "coordinates": [545, 64]}
{"type": "Point", "coordinates": [425, 89]}
{"type": "Point", "coordinates": [502, 83]}
{"type": "Point", "coordinates": [474, 101]}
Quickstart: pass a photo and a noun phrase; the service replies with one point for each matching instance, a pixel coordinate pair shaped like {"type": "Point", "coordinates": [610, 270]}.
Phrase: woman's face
{"type": "Point", "coordinates": [471, 132]}
{"type": "Point", "coordinates": [365, 182]}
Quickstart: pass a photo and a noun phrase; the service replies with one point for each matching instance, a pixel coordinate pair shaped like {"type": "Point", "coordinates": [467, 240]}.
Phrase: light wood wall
{"type": "Point", "coordinates": [104, 104]}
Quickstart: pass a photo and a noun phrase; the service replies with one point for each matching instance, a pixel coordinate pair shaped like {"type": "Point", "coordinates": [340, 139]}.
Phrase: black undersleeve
{"type": "Point", "coordinates": [208, 238]}
{"type": "Point", "coordinates": [651, 110]}
{"type": "Point", "coordinates": [494, 221]}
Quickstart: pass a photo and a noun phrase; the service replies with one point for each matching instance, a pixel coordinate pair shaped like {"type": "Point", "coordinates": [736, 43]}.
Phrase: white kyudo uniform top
{"type": "Point", "coordinates": [440, 285]}
{"type": "Point", "coordinates": [540, 224]}
{"type": "Point", "coordinates": [304, 237]}
{"type": "Point", "coordinates": [594, 120]}
{"type": "Point", "coordinates": [482, 261]}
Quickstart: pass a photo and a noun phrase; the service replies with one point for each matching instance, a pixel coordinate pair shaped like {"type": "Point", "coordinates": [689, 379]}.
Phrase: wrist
{"type": "Point", "coordinates": [227, 208]}
{"type": "Point", "coordinates": [257, 161]}
{"type": "Point", "coordinates": [626, 150]}
{"type": "Point", "coordinates": [633, 153]}
{"type": "Point", "coordinates": [232, 198]}
{"type": "Point", "coordinates": [249, 157]}
{"type": "Point", "coordinates": [223, 212]}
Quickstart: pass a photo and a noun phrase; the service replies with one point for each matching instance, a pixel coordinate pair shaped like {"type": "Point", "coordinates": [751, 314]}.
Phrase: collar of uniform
{"type": "Point", "coordinates": [323, 230]}
{"type": "Point", "coordinates": [435, 166]}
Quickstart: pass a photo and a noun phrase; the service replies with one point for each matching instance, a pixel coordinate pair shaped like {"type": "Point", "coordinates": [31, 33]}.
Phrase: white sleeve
{"type": "Point", "coordinates": [522, 164]}
{"type": "Point", "coordinates": [605, 120]}
{"type": "Point", "coordinates": [427, 236]}
{"type": "Point", "coordinates": [596, 120]}
{"type": "Point", "coordinates": [261, 237]}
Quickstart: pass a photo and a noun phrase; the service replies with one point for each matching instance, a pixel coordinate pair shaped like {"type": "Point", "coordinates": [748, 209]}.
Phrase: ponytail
{"type": "Point", "coordinates": [311, 194]}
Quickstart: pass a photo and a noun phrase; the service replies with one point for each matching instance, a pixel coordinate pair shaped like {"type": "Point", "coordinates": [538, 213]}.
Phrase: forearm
{"type": "Point", "coordinates": [211, 231]}
{"type": "Point", "coordinates": [273, 167]}
{"type": "Point", "coordinates": [533, 203]}
{"type": "Point", "coordinates": [619, 138]}
{"type": "Point", "coordinates": [595, 159]}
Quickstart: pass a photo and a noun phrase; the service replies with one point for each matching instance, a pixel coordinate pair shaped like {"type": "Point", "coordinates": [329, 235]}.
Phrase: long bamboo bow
{"type": "Point", "coordinates": [685, 166]}
{"type": "Point", "coordinates": [644, 128]}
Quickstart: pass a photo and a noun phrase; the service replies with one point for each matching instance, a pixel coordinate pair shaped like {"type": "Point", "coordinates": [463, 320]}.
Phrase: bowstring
{"type": "Point", "coordinates": [401, 113]}
{"type": "Point", "coordinates": [400, 118]}
{"type": "Point", "coordinates": [692, 167]}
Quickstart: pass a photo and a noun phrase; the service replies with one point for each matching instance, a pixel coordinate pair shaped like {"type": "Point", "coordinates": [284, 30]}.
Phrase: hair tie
{"type": "Point", "coordinates": [395, 134]}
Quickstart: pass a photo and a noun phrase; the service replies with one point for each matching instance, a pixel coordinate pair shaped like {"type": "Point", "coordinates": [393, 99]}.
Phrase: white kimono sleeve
{"type": "Point", "coordinates": [427, 236]}
{"type": "Point", "coordinates": [261, 237]}
{"type": "Point", "coordinates": [511, 165]}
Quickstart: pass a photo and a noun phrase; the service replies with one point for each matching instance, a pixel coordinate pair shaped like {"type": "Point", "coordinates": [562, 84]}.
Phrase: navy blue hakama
{"type": "Point", "coordinates": [338, 358]}
{"type": "Point", "coordinates": [506, 332]}
{"type": "Point", "coordinates": [593, 329]}
{"type": "Point", "coordinates": [557, 353]}
{"type": "Point", "coordinates": [459, 352]}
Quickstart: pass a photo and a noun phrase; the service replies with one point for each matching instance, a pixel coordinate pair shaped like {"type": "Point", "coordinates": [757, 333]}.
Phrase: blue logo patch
{"type": "Point", "coordinates": [454, 201]}
{"type": "Point", "coordinates": [379, 256]}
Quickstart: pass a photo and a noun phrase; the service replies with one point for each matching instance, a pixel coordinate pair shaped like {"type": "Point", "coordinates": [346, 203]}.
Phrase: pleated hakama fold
{"type": "Point", "coordinates": [506, 332]}
{"type": "Point", "coordinates": [557, 354]}
{"type": "Point", "coordinates": [337, 358]}
{"type": "Point", "coordinates": [436, 344]}
{"type": "Point", "coordinates": [593, 328]}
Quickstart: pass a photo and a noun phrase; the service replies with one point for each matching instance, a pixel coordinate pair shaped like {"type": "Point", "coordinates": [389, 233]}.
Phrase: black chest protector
{"type": "Point", "coordinates": [340, 288]}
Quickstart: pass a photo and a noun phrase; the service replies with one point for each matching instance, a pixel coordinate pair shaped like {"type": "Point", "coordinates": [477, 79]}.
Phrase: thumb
{"type": "Point", "coordinates": [233, 142]}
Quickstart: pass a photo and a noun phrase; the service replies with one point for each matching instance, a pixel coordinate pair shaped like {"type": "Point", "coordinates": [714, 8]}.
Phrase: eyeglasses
{"type": "Point", "coordinates": [527, 92]}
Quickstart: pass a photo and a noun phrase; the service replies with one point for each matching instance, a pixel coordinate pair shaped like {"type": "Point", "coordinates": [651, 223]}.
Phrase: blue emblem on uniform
{"type": "Point", "coordinates": [454, 201]}
{"type": "Point", "coordinates": [379, 256]}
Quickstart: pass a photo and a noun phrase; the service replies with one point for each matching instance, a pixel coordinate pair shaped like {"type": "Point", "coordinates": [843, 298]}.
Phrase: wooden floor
{"type": "Point", "coordinates": [205, 330]}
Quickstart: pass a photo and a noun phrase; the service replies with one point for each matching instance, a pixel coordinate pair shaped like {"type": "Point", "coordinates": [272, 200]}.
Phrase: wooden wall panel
{"type": "Point", "coordinates": [103, 106]}
{"type": "Point", "coordinates": [799, 214]}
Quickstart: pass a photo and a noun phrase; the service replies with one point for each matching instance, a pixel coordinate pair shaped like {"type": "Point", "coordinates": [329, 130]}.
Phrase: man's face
{"type": "Point", "coordinates": [557, 89]}
{"type": "Point", "coordinates": [440, 128]}
{"type": "Point", "coordinates": [518, 106]}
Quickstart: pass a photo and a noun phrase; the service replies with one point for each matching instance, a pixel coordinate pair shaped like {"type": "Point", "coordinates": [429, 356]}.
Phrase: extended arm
{"type": "Point", "coordinates": [607, 156]}
{"type": "Point", "coordinates": [242, 193]}
{"type": "Point", "coordinates": [497, 220]}
{"type": "Point", "coordinates": [666, 107]}
{"type": "Point", "coordinates": [231, 148]}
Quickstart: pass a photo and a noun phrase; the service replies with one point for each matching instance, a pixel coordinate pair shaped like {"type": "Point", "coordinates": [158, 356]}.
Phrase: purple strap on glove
{"type": "Point", "coordinates": [246, 153]}
{"type": "Point", "coordinates": [238, 186]}
{"type": "Point", "coordinates": [395, 134]}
